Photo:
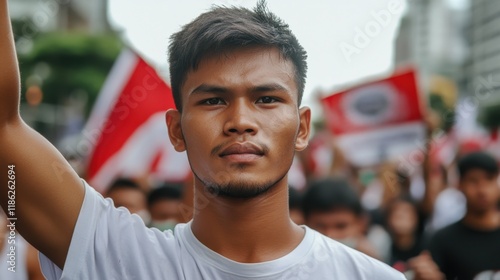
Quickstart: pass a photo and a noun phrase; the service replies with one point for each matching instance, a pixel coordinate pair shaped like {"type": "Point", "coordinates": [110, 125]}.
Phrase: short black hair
{"type": "Point", "coordinates": [165, 192]}
{"type": "Point", "coordinates": [228, 28]}
{"type": "Point", "coordinates": [477, 160]}
{"type": "Point", "coordinates": [124, 183]}
{"type": "Point", "coordinates": [331, 194]}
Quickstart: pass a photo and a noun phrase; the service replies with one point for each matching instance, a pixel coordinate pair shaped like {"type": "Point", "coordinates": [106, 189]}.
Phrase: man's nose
{"type": "Point", "coordinates": [241, 118]}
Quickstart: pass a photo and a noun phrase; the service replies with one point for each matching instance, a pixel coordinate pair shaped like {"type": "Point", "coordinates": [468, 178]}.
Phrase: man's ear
{"type": "Point", "coordinates": [173, 119]}
{"type": "Point", "coordinates": [304, 129]}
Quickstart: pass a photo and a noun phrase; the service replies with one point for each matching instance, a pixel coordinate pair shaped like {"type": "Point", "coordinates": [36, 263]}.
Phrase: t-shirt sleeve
{"type": "Point", "coordinates": [111, 243]}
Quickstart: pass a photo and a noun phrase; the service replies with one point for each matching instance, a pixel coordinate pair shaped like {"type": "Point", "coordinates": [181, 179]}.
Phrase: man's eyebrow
{"type": "Point", "coordinates": [268, 87]}
{"type": "Point", "coordinates": [207, 88]}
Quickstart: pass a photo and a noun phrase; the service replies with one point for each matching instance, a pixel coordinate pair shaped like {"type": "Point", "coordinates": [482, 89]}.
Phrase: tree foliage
{"type": "Point", "coordinates": [63, 64]}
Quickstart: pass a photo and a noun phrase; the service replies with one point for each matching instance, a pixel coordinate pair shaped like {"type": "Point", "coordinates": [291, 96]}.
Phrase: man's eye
{"type": "Point", "coordinates": [267, 99]}
{"type": "Point", "coordinates": [213, 101]}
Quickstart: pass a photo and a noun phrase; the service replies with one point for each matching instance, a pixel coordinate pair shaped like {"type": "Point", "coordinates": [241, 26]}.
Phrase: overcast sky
{"type": "Point", "coordinates": [345, 40]}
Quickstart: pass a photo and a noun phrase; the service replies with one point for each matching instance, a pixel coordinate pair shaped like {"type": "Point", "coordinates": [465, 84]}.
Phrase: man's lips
{"type": "Point", "coordinates": [242, 152]}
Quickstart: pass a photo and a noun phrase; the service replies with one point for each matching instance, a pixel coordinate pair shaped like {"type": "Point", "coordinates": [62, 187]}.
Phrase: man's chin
{"type": "Point", "coordinates": [239, 190]}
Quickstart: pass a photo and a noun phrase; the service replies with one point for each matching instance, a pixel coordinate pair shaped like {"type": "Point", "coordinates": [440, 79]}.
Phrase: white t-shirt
{"type": "Point", "coordinates": [110, 243]}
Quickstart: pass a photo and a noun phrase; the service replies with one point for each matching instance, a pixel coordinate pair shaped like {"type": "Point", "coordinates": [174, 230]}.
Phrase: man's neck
{"type": "Point", "coordinates": [489, 220]}
{"type": "Point", "coordinates": [246, 230]}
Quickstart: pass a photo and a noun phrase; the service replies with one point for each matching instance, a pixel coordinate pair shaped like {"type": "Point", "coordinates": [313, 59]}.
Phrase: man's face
{"type": "Point", "coordinates": [339, 224]}
{"type": "Point", "coordinates": [240, 122]}
{"type": "Point", "coordinates": [480, 189]}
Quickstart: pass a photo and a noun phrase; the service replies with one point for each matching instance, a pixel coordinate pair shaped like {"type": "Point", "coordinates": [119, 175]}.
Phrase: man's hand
{"type": "Point", "coordinates": [425, 268]}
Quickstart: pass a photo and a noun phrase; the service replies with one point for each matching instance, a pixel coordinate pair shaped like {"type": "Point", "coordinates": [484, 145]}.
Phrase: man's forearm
{"type": "Point", "coordinates": [46, 191]}
{"type": "Point", "coordinates": [9, 73]}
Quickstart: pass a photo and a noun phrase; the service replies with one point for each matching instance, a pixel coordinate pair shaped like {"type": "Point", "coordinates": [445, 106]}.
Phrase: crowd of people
{"type": "Point", "coordinates": [441, 222]}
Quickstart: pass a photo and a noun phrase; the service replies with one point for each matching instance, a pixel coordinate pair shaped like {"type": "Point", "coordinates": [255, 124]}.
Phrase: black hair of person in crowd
{"type": "Point", "coordinates": [164, 205]}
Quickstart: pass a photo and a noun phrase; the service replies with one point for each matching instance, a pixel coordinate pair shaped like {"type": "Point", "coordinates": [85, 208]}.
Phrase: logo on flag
{"type": "Point", "coordinates": [376, 121]}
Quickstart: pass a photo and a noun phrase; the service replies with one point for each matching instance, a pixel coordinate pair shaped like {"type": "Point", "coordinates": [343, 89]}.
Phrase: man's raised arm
{"type": "Point", "coordinates": [38, 189]}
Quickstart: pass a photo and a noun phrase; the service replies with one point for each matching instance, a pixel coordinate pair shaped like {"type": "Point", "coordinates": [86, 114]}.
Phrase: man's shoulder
{"type": "Point", "coordinates": [335, 254]}
{"type": "Point", "coordinates": [338, 249]}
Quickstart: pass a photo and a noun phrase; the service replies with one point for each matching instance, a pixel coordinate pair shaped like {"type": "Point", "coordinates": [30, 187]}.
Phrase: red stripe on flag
{"type": "Point", "coordinates": [143, 95]}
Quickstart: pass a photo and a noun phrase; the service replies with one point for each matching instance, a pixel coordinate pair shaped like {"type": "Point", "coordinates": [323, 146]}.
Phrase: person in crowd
{"type": "Point", "coordinates": [127, 193]}
{"type": "Point", "coordinates": [389, 184]}
{"type": "Point", "coordinates": [237, 77]}
{"type": "Point", "coordinates": [295, 206]}
{"type": "Point", "coordinates": [470, 248]}
{"type": "Point", "coordinates": [164, 206]}
{"type": "Point", "coordinates": [440, 192]}
{"type": "Point", "coordinates": [332, 207]}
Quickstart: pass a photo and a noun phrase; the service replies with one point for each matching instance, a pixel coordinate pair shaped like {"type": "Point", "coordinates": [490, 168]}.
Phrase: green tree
{"type": "Point", "coordinates": [65, 63]}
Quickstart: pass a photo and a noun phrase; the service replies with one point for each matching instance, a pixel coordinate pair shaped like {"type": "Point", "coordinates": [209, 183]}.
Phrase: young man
{"type": "Point", "coordinates": [470, 248]}
{"type": "Point", "coordinates": [237, 77]}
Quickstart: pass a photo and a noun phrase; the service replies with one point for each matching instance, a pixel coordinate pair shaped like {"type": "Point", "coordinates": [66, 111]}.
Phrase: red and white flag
{"type": "Point", "coordinates": [377, 121]}
{"type": "Point", "coordinates": [127, 126]}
